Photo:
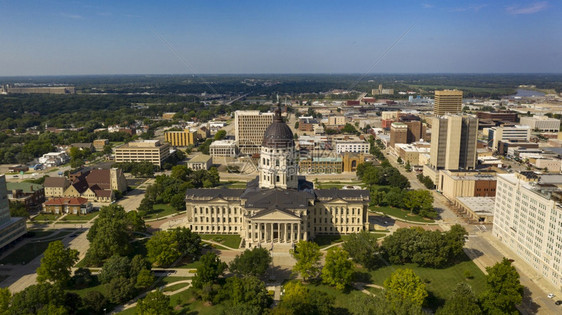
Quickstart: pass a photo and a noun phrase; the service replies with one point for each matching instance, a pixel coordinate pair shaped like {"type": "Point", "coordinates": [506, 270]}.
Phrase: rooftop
{"type": "Point", "coordinates": [201, 158]}
{"type": "Point", "coordinates": [479, 205]}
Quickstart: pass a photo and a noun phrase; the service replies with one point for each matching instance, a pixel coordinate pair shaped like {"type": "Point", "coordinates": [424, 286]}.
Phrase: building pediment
{"type": "Point", "coordinates": [274, 215]}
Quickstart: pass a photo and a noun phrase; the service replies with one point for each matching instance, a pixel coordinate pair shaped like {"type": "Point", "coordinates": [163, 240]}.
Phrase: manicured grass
{"type": "Point", "coordinates": [160, 210]}
{"type": "Point", "coordinates": [229, 240]}
{"type": "Point", "coordinates": [39, 233]}
{"type": "Point", "coordinates": [233, 184]}
{"type": "Point", "coordinates": [96, 287]}
{"type": "Point", "coordinates": [175, 287]}
{"type": "Point", "coordinates": [327, 240]}
{"type": "Point", "coordinates": [129, 311]}
{"type": "Point", "coordinates": [81, 218]}
{"type": "Point", "coordinates": [440, 282]}
{"type": "Point", "coordinates": [402, 214]}
{"type": "Point", "coordinates": [169, 279]}
{"type": "Point", "coordinates": [190, 265]}
{"type": "Point", "coordinates": [46, 217]}
{"type": "Point", "coordinates": [189, 305]}
{"type": "Point", "coordinates": [25, 254]}
{"type": "Point", "coordinates": [30, 251]}
{"type": "Point", "coordinates": [342, 299]}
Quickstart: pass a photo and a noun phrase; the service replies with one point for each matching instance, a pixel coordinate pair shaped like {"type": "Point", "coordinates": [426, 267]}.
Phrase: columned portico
{"type": "Point", "coordinates": [268, 232]}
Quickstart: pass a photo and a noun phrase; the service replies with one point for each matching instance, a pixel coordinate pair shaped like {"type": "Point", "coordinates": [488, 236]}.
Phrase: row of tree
{"type": "Point", "coordinates": [417, 201]}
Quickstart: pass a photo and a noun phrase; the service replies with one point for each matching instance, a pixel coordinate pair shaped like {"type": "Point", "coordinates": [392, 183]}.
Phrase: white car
{"type": "Point", "coordinates": [550, 296]}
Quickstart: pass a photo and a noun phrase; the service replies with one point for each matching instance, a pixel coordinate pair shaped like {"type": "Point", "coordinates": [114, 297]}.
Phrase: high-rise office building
{"type": "Point", "coordinates": [508, 133]}
{"type": "Point", "coordinates": [453, 142]}
{"type": "Point", "coordinates": [10, 228]}
{"type": "Point", "coordinates": [249, 128]}
{"type": "Point", "coordinates": [527, 218]}
{"type": "Point", "coordinates": [180, 138]}
{"type": "Point", "coordinates": [398, 133]}
{"type": "Point", "coordinates": [447, 102]}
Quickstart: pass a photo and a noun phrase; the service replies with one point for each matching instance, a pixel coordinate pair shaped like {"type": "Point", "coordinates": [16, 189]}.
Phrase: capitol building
{"type": "Point", "coordinates": [278, 207]}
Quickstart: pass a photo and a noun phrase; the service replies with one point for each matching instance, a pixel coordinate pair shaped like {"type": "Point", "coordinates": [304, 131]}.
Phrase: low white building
{"type": "Point", "coordinates": [552, 165]}
{"type": "Point", "coordinates": [355, 146]}
{"type": "Point", "coordinates": [199, 162]}
{"type": "Point", "coordinates": [223, 148]}
{"type": "Point", "coordinates": [541, 123]}
{"type": "Point", "coordinates": [54, 159]}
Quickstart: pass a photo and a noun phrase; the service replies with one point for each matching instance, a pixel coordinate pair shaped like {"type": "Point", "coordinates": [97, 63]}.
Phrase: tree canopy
{"type": "Point", "coordinates": [165, 247]}
{"type": "Point", "coordinates": [307, 255]}
{"type": "Point", "coordinates": [56, 263]}
{"type": "Point", "coordinates": [209, 271]}
{"type": "Point", "coordinates": [252, 262]}
{"type": "Point", "coordinates": [154, 303]}
{"type": "Point", "coordinates": [363, 248]}
{"type": "Point", "coordinates": [503, 289]}
{"type": "Point", "coordinates": [404, 284]}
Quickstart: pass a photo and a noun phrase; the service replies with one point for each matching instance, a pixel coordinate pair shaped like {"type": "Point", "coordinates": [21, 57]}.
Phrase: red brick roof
{"type": "Point", "coordinates": [66, 201]}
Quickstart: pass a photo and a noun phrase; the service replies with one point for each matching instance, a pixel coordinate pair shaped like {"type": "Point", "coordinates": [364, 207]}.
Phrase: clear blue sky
{"type": "Point", "coordinates": [44, 37]}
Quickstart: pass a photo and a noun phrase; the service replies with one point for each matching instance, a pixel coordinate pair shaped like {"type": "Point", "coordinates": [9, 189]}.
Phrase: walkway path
{"type": "Point", "coordinates": [134, 301]}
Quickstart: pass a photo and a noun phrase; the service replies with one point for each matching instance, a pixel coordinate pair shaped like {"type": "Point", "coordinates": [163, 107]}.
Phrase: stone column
{"type": "Point", "coordinates": [285, 232]}
{"type": "Point", "coordinates": [259, 232]}
{"type": "Point", "coordinates": [292, 233]}
{"type": "Point", "coordinates": [299, 232]}
{"type": "Point", "coordinates": [271, 232]}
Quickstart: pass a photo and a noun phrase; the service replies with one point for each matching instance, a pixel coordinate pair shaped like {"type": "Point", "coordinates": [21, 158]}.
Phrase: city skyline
{"type": "Point", "coordinates": [174, 37]}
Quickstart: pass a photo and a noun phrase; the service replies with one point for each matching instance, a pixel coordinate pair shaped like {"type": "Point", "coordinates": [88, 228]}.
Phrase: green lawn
{"type": "Point", "coordinates": [234, 185]}
{"type": "Point", "coordinates": [160, 210]}
{"type": "Point", "coordinates": [81, 218]}
{"type": "Point", "coordinates": [342, 299]}
{"type": "Point", "coordinates": [175, 287]}
{"type": "Point", "coordinates": [39, 233]}
{"type": "Point", "coordinates": [187, 303]}
{"type": "Point", "coordinates": [402, 214]}
{"type": "Point", "coordinates": [96, 287]}
{"type": "Point", "coordinates": [25, 254]}
{"type": "Point", "coordinates": [229, 240]}
{"type": "Point", "coordinates": [440, 282]}
{"type": "Point", "coordinates": [46, 217]}
{"type": "Point", "coordinates": [189, 265]}
{"type": "Point", "coordinates": [29, 251]}
{"type": "Point", "coordinates": [327, 240]}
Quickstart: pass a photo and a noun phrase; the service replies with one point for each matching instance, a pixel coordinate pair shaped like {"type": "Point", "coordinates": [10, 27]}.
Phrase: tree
{"type": "Point", "coordinates": [165, 247]}
{"type": "Point", "coordinates": [307, 255]}
{"type": "Point", "coordinates": [56, 263]}
{"type": "Point", "coordinates": [120, 289]}
{"type": "Point", "coordinates": [5, 297]}
{"type": "Point", "coordinates": [94, 301]}
{"type": "Point", "coordinates": [221, 134]}
{"type": "Point", "coordinates": [363, 304]}
{"type": "Point", "coordinates": [404, 284]}
{"type": "Point", "coordinates": [37, 298]}
{"type": "Point", "coordinates": [254, 262]}
{"type": "Point", "coordinates": [408, 167]}
{"type": "Point", "coordinates": [17, 209]}
{"type": "Point", "coordinates": [399, 160]}
{"type": "Point", "coordinates": [245, 291]}
{"type": "Point", "coordinates": [419, 201]}
{"type": "Point", "coordinates": [209, 271]}
{"type": "Point", "coordinates": [462, 301]}
{"type": "Point", "coordinates": [115, 266]}
{"type": "Point", "coordinates": [363, 248]}
{"type": "Point", "coordinates": [298, 299]}
{"type": "Point", "coordinates": [82, 278]}
{"type": "Point", "coordinates": [504, 291]}
{"type": "Point", "coordinates": [178, 201]}
{"type": "Point", "coordinates": [154, 303]}
{"type": "Point", "coordinates": [111, 234]}
{"type": "Point", "coordinates": [144, 279]}
{"type": "Point", "coordinates": [338, 270]}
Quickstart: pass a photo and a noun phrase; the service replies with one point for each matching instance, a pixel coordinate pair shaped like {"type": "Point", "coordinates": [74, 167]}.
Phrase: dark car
{"type": "Point", "coordinates": [558, 302]}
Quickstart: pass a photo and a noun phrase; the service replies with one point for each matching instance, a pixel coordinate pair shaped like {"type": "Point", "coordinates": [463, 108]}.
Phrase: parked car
{"type": "Point", "coordinates": [559, 302]}
{"type": "Point", "coordinates": [550, 295]}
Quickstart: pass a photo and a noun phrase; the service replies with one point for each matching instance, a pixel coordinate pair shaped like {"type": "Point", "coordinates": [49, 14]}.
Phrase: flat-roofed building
{"type": "Point", "coordinates": [100, 144]}
{"type": "Point", "coordinates": [453, 142]}
{"type": "Point", "coordinates": [28, 194]}
{"type": "Point", "coordinates": [143, 151]}
{"type": "Point", "coordinates": [499, 116]}
{"type": "Point", "coordinates": [508, 133]}
{"type": "Point", "coordinates": [180, 138]}
{"type": "Point", "coordinates": [200, 162]}
{"type": "Point", "coordinates": [223, 148]}
{"type": "Point", "coordinates": [541, 123]}
{"type": "Point", "coordinates": [527, 219]}
{"type": "Point", "coordinates": [321, 165]}
{"type": "Point", "coordinates": [336, 121]}
{"type": "Point", "coordinates": [355, 146]}
{"type": "Point", "coordinates": [169, 115]}
{"type": "Point", "coordinates": [249, 128]}
{"type": "Point", "coordinates": [478, 209]}
{"type": "Point", "coordinates": [455, 184]}
{"type": "Point", "coordinates": [11, 228]}
{"type": "Point", "coordinates": [398, 133]}
{"type": "Point", "coordinates": [447, 102]}
{"type": "Point", "coordinates": [411, 152]}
